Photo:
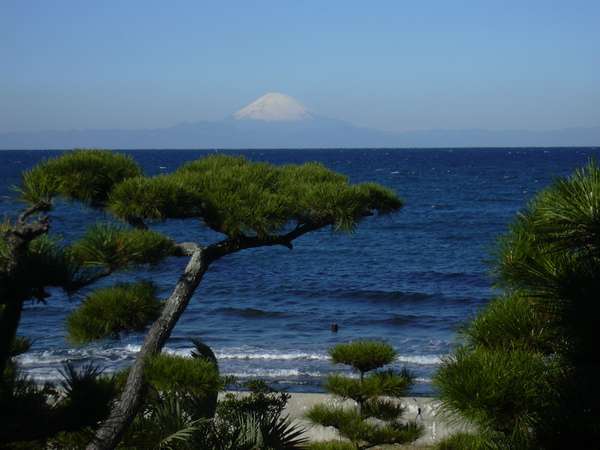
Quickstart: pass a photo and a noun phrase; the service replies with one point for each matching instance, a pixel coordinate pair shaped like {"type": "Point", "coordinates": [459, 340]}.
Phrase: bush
{"type": "Point", "coordinates": [511, 321]}
{"type": "Point", "coordinates": [512, 388]}
{"type": "Point", "coordinates": [171, 373]}
{"type": "Point", "coordinates": [113, 310]}
{"type": "Point", "coordinates": [527, 371]}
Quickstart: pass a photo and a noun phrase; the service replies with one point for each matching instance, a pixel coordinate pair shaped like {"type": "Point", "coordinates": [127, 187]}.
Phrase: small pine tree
{"type": "Point", "coordinates": [376, 419]}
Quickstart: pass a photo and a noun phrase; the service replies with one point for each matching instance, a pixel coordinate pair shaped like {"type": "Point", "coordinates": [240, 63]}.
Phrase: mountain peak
{"type": "Point", "coordinates": [273, 107]}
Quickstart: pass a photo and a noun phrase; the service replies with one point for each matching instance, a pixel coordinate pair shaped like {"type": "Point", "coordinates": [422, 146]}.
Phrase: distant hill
{"type": "Point", "coordinates": [279, 121]}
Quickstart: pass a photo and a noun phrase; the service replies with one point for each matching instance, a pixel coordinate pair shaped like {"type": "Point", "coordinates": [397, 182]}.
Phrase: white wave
{"type": "Point", "coordinates": [274, 356]}
{"type": "Point", "coordinates": [273, 373]}
{"type": "Point", "coordinates": [46, 358]}
{"type": "Point", "coordinates": [422, 360]}
{"type": "Point", "coordinates": [422, 380]}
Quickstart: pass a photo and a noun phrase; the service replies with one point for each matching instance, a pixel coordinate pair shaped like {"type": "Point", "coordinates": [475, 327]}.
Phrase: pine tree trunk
{"type": "Point", "coordinates": [110, 433]}
{"type": "Point", "coordinates": [10, 317]}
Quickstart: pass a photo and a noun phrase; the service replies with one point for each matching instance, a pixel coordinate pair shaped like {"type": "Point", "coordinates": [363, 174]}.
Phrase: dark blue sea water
{"type": "Point", "coordinates": [411, 279]}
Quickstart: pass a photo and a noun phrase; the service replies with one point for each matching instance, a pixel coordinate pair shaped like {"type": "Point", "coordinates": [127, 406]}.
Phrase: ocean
{"type": "Point", "coordinates": [411, 279]}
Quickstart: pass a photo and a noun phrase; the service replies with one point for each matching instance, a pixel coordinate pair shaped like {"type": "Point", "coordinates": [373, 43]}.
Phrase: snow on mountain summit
{"type": "Point", "coordinates": [274, 107]}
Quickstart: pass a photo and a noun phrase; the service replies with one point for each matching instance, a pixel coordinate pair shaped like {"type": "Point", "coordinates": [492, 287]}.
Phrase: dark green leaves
{"type": "Point", "coordinates": [108, 312]}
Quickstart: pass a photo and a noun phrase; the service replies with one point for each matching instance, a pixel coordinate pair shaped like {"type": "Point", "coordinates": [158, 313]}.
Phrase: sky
{"type": "Point", "coordinates": [390, 65]}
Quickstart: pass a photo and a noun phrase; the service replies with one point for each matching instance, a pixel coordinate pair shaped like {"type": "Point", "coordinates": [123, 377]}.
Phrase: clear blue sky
{"type": "Point", "coordinates": [396, 65]}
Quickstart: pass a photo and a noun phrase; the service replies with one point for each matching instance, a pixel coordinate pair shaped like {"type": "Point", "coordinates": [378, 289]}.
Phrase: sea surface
{"type": "Point", "coordinates": [411, 279]}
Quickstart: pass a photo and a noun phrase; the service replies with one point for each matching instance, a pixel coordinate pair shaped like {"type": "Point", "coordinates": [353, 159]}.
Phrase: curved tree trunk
{"type": "Point", "coordinates": [10, 317]}
{"type": "Point", "coordinates": [111, 431]}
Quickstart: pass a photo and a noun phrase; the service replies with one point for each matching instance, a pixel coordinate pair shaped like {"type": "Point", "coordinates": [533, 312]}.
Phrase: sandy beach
{"type": "Point", "coordinates": [435, 425]}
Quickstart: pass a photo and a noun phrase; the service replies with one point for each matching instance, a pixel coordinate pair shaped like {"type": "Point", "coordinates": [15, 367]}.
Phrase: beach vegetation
{"type": "Point", "coordinates": [376, 419]}
{"type": "Point", "coordinates": [527, 369]}
{"type": "Point", "coordinates": [72, 407]}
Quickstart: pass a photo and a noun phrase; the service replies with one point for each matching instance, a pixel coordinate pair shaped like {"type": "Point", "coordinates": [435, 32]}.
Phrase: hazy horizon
{"type": "Point", "coordinates": [396, 67]}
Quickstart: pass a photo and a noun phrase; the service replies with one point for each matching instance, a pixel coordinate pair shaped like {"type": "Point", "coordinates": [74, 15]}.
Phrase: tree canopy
{"type": "Point", "coordinates": [230, 194]}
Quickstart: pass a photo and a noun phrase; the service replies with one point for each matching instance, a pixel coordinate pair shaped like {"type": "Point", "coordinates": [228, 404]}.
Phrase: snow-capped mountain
{"type": "Point", "coordinates": [274, 107]}
{"type": "Point", "coordinates": [279, 121]}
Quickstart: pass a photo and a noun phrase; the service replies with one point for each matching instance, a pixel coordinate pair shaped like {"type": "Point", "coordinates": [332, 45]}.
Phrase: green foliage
{"type": "Point", "coordinates": [171, 373]}
{"type": "Point", "coordinates": [252, 421]}
{"type": "Point", "coordinates": [566, 216]}
{"type": "Point", "coordinates": [510, 322]}
{"type": "Point", "coordinates": [44, 263]}
{"type": "Point", "coordinates": [245, 421]}
{"type": "Point", "coordinates": [87, 396]}
{"type": "Point", "coordinates": [362, 433]}
{"type": "Point", "coordinates": [346, 420]}
{"type": "Point", "coordinates": [58, 417]}
{"type": "Point", "coordinates": [107, 312]}
{"type": "Point", "coordinates": [512, 388]}
{"type": "Point", "coordinates": [115, 247]}
{"type": "Point", "coordinates": [156, 198]}
{"type": "Point", "coordinates": [382, 409]}
{"type": "Point", "coordinates": [527, 373]}
{"type": "Point", "coordinates": [376, 420]}
{"type": "Point", "coordinates": [363, 356]}
{"type": "Point", "coordinates": [386, 383]}
{"type": "Point", "coordinates": [84, 175]}
{"type": "Point", "coordinates": [47, 264]}
{"type": "Point", "coordinates": [235, 196]}
{"type": "Point", "coordinates": [164, 424]}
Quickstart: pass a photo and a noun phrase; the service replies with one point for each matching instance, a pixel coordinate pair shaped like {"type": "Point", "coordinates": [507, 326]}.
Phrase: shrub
{"type": "Point", "coordinates": [527, 371]}
{"type": "Point", "coordinates": [357, 424]}
{"type": "Point", "coordinates": [172, 373]}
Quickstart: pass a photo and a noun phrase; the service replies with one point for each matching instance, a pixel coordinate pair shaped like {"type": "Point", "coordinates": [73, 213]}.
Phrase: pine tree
{"type": "Point", "coordinates": [377, 416]}
{"type": "Point", "coordinates": [250, 204]}
{"type": "Point", "coordinates": [527, 372]}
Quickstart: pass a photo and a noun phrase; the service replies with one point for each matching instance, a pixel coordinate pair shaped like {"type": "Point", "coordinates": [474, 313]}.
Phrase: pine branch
{"type": "Point", "coordinates": [233, 245]}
